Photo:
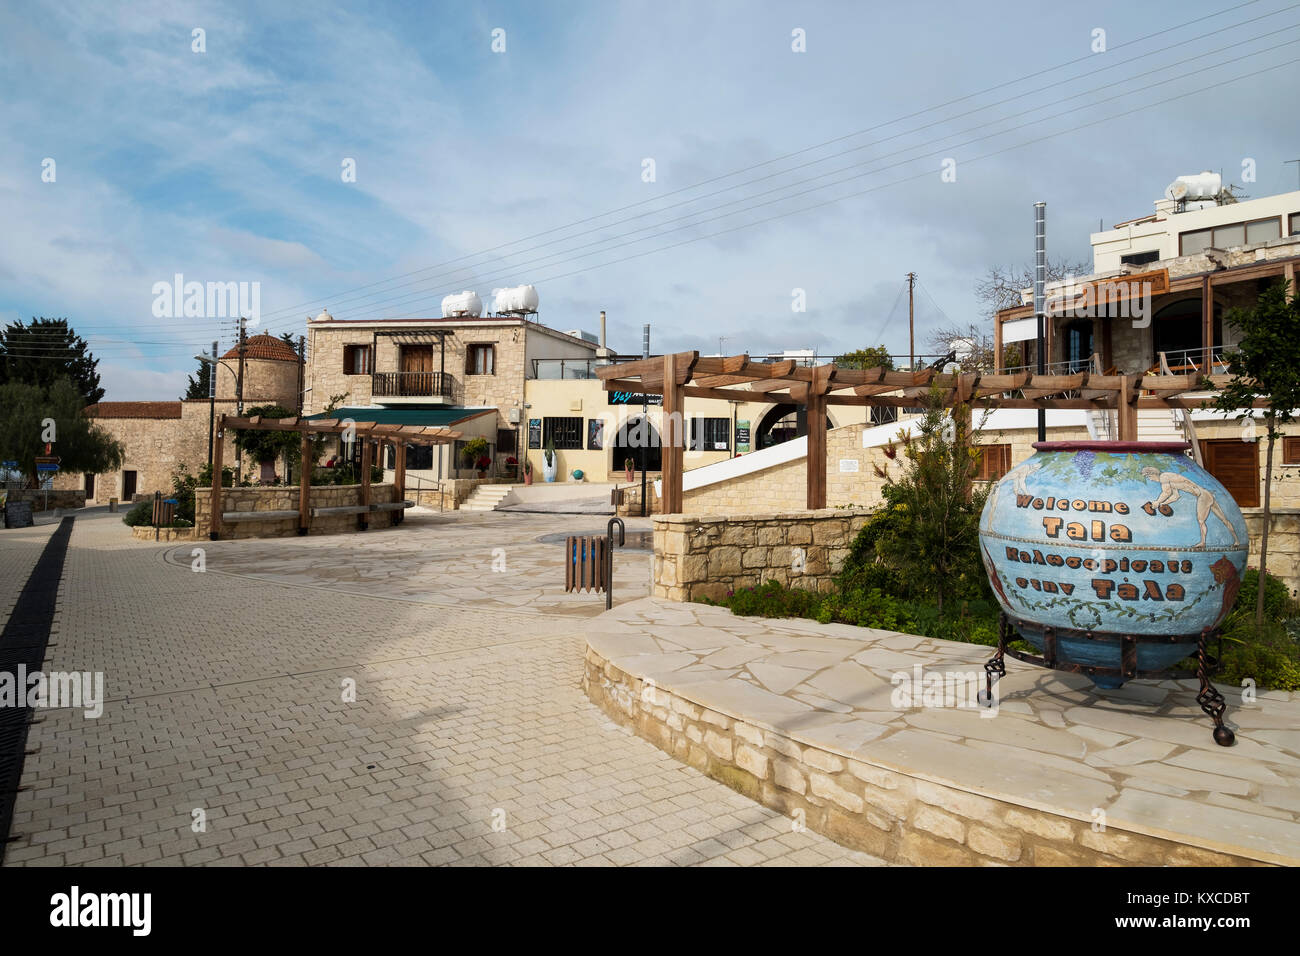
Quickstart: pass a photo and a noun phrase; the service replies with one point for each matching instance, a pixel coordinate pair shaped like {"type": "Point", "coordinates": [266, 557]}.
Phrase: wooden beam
{"type": "Point", "coordinates": [683, 363]}
{"type": "Point", "coordinates": [399, 477]}
{"type": "Point", "coordinates": [671, 452]}
{"type": "Point", "coordinates": [815, 395]}
{"type": "Point", "coordinates": [304, 486]}
{"type": "Point", "coordinates": [1126, 411]}
{"type": "Point", "coordinates": [218, 452]}
{"type": "Point", "coordinates": [365, 482]}
{"type": "Point", "coordinates": [1207, 324]}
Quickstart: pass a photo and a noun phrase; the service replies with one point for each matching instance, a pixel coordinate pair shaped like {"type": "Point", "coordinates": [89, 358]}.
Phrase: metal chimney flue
{"type": "Point", "coordinates": [602, 328]}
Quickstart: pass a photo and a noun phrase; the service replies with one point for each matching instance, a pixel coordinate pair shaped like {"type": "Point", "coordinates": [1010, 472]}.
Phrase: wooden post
{"type": "Point", "coordinates": [304, 485]}
{"type": "Point", "coordinates": [399, 478]}
{"type": "Point", "coordinates": [218, 450]}
{"type": "Point", "coordinates": [1207, 326]}
{"type": "Point", "coordinates": [672, 438]}
{"type": "Point", "coordinates": [365, 482]}
{"type": "Point", "coordinates": [1126, 412]}
{"type": "Point", "coordinates": [997, 343]}
{"type": "Point", "coordinates": [815, 461]}
{"type": "Point", "coordinates": [961, 413]}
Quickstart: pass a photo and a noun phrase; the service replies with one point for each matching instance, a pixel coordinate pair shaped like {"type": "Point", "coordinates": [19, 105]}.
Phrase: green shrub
{"type": "Point", "coordinates": [140, 514]}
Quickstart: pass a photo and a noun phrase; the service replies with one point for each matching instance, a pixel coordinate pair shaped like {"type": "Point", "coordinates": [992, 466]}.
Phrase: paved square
{"type": "Point", "coordinates": [469, 740]}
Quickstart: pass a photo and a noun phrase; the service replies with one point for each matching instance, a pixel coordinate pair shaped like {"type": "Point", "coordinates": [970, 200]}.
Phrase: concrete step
{"type": "Point", "coordinates": [486, 498]}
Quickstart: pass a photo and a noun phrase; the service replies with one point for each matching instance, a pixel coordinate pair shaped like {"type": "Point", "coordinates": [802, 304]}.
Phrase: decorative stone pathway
{"type": "Point", "coordinates": [1139, 759]}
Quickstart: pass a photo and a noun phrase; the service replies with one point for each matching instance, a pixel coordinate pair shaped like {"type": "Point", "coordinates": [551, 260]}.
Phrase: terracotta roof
{"type": "Point", "coordinates": [134, 410]}
{"type": "Point", "coordinates": [265, 346]}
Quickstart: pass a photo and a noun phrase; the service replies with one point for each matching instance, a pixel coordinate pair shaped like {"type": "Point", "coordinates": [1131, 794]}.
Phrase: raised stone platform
{"type": "Point", "coordinates": [809, 719]}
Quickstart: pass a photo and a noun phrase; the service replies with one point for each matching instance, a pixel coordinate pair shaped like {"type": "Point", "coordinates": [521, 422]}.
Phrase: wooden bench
{"type": "Point", "coordinates": [338, 510]}
{"type": "Point", "coordinates": [257, 515]}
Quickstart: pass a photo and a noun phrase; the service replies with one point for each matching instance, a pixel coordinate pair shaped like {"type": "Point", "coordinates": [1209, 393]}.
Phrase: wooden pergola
{"type": "Point", "coordinates": [736, 378]}
{"type": "Point", "coordinates": [371, 434]}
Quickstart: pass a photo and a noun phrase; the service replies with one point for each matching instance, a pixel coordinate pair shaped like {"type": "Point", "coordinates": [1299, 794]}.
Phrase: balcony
{"type": "Point", "coordinates": [426, 387]}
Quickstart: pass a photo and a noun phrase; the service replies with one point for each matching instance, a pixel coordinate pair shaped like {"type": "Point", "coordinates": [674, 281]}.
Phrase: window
{"type": "Point", "coordinates": [710, 434]}
{"type": "Point", "coordinates": [356, 360]}
{"type": "Point", "coordinates": [1291, 451]}
{"type": "Point", "coordinates": [995, 461]}
{"type": "Point", "coordinates": [1233, 234]}
{"type": "Point", "coordinates": [566, 433]}
{"type": "Point", "coordinates": [1140, 258]}
{"type": "Point", "coordinates": [506, 441]}
{"type": "Point", "coordinates": [480, 360]}
{"type": "Point", "coordinates": [1295, 224]}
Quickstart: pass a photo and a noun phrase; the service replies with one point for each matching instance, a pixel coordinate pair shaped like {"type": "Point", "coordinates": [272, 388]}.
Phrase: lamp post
{"type": "Point", "coordinates": [212, 361]}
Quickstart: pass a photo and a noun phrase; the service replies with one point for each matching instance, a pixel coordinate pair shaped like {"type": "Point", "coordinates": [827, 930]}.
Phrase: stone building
{"type": "Point", "coordinates": [162, 437]}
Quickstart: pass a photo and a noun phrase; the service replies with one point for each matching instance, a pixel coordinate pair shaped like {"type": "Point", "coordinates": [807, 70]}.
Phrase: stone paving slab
{"type": "Point", "coordinates": [226, 695]}
{"type": "Point", "coordinates": [1142, 756]}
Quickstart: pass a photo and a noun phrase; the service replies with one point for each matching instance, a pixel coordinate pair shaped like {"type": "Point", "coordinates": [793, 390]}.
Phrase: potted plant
{"type": "Point", "coordinates": [550, 461]}
{"type": "Point", "coordinates": [629, 469]}
{"type": "Point", "coordinates": [512, 468]}
{"type": "Point", "coordinates": [528, 472]}
{"type": "Point", "coordinates": [474, 450]}
{"type": "Point", "coordinates": [483, 464]}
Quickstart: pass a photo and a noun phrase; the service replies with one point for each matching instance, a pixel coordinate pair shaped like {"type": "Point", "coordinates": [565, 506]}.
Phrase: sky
{"type": "Point", "coordinates": [705, 167]}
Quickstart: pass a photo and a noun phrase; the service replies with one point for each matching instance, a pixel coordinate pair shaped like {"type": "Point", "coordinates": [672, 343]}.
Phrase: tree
{"type": "Point", "coordinates": [975, 348]}
{"type": "Point", "coordinates": [268, 445]}
{"type": "Point", "coordinates": [932, 541]}
{"type": "Point", "coordinates": [34, 416]}
{"type": "Point", "coordinates": [1265, 364]}
{"type": "Point", "coordinates": [1001, 286]}
{"type": "Point", "coordinates": [199, 382]}
{"type": "Point", "coordinates": [47, 350]}
{"type": "Point", "coordinates": [877, 356]}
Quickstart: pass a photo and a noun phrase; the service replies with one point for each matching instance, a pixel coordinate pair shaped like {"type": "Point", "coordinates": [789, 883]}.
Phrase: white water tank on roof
{"type": "Point", "coordinates": [1200, 188]}
{"type": "Point", "coordinates": [464, 303]}
{"type": "Point", "coordinates": [517, 299]}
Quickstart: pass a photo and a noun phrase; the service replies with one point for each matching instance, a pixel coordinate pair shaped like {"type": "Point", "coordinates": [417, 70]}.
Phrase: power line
{"type": "Point", "coordinates": [415, 296]}
{"type": "Point", "coordinates": [765, 163]}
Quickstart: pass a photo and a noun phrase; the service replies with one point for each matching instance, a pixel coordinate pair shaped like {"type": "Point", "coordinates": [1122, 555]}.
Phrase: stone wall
{"type": "Point", "coordinates": [1283, 543]}
{"type": "Point", "coordinates": [285, 498]}
{"type": "Point", "coordinates": [707, 556]}
{"type": "Point", "coordinates": [49, 500]}
{"type": "Point", "coordinates": [879, 810]}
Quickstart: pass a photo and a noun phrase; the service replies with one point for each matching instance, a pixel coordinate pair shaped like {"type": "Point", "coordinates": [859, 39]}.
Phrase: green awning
{"type": "Point", "coordinates": [440, 415]}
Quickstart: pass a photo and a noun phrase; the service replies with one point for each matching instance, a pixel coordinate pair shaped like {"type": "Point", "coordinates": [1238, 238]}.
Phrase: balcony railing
{"type": "Point", "coordinates": [411, 385]}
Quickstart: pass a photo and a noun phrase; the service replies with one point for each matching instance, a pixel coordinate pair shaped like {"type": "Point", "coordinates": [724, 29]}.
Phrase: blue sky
{"type": "Point", "coordinates": [225, 165]}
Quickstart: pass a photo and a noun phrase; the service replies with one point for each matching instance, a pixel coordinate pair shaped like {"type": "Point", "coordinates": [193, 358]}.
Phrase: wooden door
{"type": "Point", "coordinates": [90, 487]}
{"type": "Point", "coordinates": [128, 485]}
{"type": "Point", "coordinates": [417, 370]}
{"type": "Point", "coordinates": [1236, 464]}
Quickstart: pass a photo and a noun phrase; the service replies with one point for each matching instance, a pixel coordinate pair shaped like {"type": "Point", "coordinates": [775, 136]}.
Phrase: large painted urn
{"type": "Point", "coordinates": [1090, 541]}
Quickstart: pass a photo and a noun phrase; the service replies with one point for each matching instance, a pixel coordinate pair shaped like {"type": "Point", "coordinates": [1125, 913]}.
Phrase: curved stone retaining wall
{"type": "Point", "coordinates": [886, 812]}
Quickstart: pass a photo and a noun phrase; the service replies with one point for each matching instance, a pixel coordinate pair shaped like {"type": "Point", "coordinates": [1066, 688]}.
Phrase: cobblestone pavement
{"type": "Point", "coordinates": [226, 738]}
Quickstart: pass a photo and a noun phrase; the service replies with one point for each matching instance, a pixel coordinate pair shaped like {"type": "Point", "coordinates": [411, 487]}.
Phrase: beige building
{"type": "Point", "coordinates": [1156, 300]}
{"type": "Point", "coordinates": [161, 437]}
{"type": "Point", "coordinates": [541, 383]}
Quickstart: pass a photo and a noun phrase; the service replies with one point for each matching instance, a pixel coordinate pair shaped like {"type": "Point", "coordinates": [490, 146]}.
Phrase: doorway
{"type": "Point", "coordinates": [128, 486]}
{"type": "Point", "coordinates": [417, 370]}
{"type": "Point", "coordinates": [639, 443]}
{"type": "Point", "coordinates": [90, 487]}
{"type": "Point", "coordinates": [1236, 464]}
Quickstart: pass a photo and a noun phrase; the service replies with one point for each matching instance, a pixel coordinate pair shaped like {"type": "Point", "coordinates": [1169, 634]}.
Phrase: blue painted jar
{"type": "Point", "coordinates": [1113, 538]}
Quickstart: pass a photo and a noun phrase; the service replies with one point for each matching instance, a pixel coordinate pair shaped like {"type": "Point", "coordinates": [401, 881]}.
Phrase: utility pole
{"type": "Point", "coordinates": [911, 327]}
{"type": "Point", "coordinates": [239, 394]}
{"type": "Point", "coordinates": [645, 415]}
{"type": "Point", "coordinates": [212, 399]}
{"type": "Point", "coordinates": [1040, 302]}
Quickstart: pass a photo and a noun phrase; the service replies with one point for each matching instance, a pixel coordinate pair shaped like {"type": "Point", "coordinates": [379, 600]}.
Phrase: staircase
{"type": "Point", "coordinates": [486, 498]}
{"type": "Point", "coordinates": [1158, 424]}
